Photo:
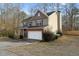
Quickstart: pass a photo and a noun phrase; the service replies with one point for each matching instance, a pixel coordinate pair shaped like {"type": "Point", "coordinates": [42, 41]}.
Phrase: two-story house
{"type": "Point", "coordinates": [41, 22]}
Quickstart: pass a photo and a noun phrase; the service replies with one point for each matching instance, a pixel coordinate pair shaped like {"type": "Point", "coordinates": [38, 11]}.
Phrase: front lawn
{"type": "Point", "coordinates": [65, 45]}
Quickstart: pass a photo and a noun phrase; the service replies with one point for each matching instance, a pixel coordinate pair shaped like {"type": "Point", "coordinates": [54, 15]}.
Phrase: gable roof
{"type": "Point", "coordinates": [46, 14]}
{"type": "Point", "coordinates": [42, 13]}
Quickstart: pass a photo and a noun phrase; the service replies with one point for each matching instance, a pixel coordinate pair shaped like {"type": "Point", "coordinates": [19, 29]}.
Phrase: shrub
{"type": "Point", "coordinates": [48, 36]}
{"type": "Point", "coordinates": [21, 37]}
{"type": "Point", "coordinates": [3, 33]}
{"type": "Point", "coordinates": [10, 34]}
{"type": "Point", "coordinates": [60, 33]}
{"type": "Point", "coordinates": [7, 33]}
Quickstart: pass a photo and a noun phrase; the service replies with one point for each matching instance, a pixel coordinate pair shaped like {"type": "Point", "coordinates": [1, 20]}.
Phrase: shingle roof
{"type": "Point", "coordinates": [49, 13]}
{"type": "Point", "coordinates": [27, 19]}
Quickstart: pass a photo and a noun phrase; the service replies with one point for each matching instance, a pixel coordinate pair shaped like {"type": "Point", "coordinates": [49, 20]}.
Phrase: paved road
{"type": "Point", "coordinates": [8, 44]}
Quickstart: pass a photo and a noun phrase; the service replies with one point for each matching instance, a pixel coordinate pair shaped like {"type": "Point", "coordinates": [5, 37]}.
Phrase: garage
{"type": "Point", "coordinates": [36, 35]}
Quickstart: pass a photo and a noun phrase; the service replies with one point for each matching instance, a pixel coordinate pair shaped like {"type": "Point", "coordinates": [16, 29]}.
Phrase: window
{"type": "Point", "coordinates": [38, 14]}
{"type": "Point", "coordinates": [39, 22]}
{"type": "Point", "coordinates": [30, 24]}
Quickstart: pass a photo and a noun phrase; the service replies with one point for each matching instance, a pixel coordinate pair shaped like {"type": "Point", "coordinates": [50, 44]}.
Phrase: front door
{"type": "Point", "coordinates": [25, 33]}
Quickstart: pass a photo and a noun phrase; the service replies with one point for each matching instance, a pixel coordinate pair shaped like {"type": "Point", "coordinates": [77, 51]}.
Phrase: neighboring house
{"type": "Point", "coordinates": [41, 22]}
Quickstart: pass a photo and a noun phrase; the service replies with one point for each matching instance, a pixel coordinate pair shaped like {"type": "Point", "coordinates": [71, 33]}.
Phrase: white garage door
{"type": "Point", "coordinates": [35, 35]}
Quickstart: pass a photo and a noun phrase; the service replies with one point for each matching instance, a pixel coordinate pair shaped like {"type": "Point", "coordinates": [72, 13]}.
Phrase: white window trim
{"type": "Point", "coordinates": [39, 22]}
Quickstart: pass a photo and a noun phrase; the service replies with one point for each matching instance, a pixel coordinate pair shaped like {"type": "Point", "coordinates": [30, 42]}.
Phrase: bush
{"type": "Point", "coordinates": [21, 37]}
{"type": "Point", "coordinates": [3, 33]}
{"type": "Point", "coordinates": [58, 32]}
{"type": "Point", "coordinates": [11, 35]}
{"type": "Point", "coordinates": [8, 33]}
{"type": "Point", "coordinates": [48, 36]}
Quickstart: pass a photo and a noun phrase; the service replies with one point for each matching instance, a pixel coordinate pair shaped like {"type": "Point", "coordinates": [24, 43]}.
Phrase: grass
{"type": "Point", "coordinates": [76, 33]}
{"type": "Point", "coordinates": [65, 45]}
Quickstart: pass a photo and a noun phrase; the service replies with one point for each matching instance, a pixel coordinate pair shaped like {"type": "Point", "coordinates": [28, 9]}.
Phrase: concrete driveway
{"type": "Point", "coordinates": [4, 45]}
{"type": "Point", "coordinates": [12, 44]}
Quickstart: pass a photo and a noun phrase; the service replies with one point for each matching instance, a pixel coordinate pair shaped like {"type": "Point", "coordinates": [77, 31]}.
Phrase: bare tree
{"type": "Point", "coordinates": [45, 7]}
{"type": "Point", "coordinates": [71, 10]}
{"type": "Point", "coordinates": [11, 16]}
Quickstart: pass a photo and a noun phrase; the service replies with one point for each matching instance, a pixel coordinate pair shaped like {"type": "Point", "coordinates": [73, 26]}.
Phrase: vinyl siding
{"type": "Point", "coordinates": [52, 22]}
{"type": "Point", "coordinates": [45, 22]}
